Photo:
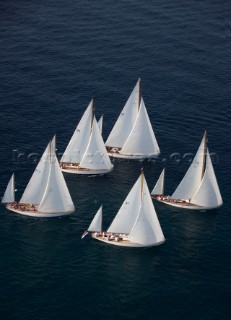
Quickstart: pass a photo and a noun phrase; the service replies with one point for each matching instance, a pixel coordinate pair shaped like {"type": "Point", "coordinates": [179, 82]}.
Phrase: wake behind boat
{"type": "Point", "coordinates": [132, 136]}
{"type": "Point", "coordinates": [86, 152]}
{"type": "Point", "coordinates": [136, 223]}
{"type": "Point", "coordinates": [46, 194]}
{"type": "Point", "coordinates": [198, 190]}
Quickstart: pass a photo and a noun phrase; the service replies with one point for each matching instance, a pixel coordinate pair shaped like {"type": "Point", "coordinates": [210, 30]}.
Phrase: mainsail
{"type": "Point", "coordinates": [126, 120]}
{"type": "Point", "coordinates": [192, 179]}
{"type": "Point", "coordinates": [77, 145]}
{"type": "Point", "coordinates": [34, 190]}
{"type": "Point", "coordinates": [126, 216]}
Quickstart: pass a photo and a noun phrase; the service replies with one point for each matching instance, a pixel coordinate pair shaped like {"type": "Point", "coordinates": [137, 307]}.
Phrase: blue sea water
{"type": "Point", "coordinates": [55, 56]}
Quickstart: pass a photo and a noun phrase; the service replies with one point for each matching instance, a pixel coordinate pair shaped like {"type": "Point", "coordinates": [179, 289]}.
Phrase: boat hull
{"type": "Point", "coordinates": [186, 205]}
{"type": "Point", "coordinates": [132, 157]}
{"type": "Point", "coordinates": [39, 214]}
{"type": "Point", "coordinates": [125, 243]}
{"type": "Point", "coordinates": [86, 172]}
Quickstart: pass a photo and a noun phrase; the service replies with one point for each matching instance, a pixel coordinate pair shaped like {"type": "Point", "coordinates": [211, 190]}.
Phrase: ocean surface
{"type": "Point", "coordinates": [54, 57]}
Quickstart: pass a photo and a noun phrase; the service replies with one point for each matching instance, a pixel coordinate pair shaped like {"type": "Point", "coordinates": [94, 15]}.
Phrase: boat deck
{"type": "Point", "coordinates": [74, 168]}
{"type": "Point", "coordinates": [178, 203]}
{"type": "Point", "coordinates": [36, 213]}
{"type": "Point", "coordinates": [123, 242]}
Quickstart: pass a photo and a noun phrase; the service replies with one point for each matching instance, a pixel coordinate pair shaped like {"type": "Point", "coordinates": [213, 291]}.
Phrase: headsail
{"type": "Point", "coordinates": [126, 120]}
{"type": "Point", "coordinates": [159, 186]}
{"type": "Point", "coordinates": [192, 179]}
{"type": "Point", "coordinates": [9, 195]}
{"type": "Point", "coordinates": [208, 194]}
{"type": "Point", "coordinates": [100, 124]}
{"type": "Point", "coordinates": [141, 139]}
{"type": "Point", "coordinates": [95, 156]}
{"type": "Point", "coordinates": [56, 197]}
{"type": "Point", "coordinates": [96, 224]}
{"type": "Point", "coordinates": [147, 229]}
{"type": "Point", "coordinates": [34, 190]}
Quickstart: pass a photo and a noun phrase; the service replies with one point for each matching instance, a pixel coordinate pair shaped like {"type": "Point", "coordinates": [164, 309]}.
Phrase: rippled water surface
{"type": "Point", "coordinates": [55, 56]}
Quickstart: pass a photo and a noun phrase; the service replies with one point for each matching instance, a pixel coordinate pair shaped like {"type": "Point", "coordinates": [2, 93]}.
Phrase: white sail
{"type": "Point", "coordinates": [56, 197]}
{"type": "Point", "coordinates": [127, 214]}
{"type": "Point", "coordinates": [208, 194]}
{"type": "Point", "coordinates": [100, 124]}
{"type": "Point", "coordinates": [9, 195]}
{"type": "Point", "coordinates": [95, 156]}
{"type": "Point", "coordinates": [141, 140]}
{"type": "Point", "coordinates": [35, 188]}
{"type": "Point", "coordinates": [192, 179]}
{"type": "Point", "coordinates": [159, 186]}
{"type": "Point", "coordinates": [77, 145]}
{"type": "Point", "coordinates": [96, 224]}
{"type": "Point", "coordinates": [126, 120]}
{"type": "Point", "coordinates": [147, 229]}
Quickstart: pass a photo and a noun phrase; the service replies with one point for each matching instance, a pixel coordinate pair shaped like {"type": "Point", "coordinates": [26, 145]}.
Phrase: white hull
{"type": "Point", "coordinates": [125, 243]}
{"type": "Point", "coordinates": [86, 172]}
{"type": "Point", "coordinates": [38, 214]}
{"type": "Point", "coordinates": [132, 157]}
{"type": "Point", "coordinates": [185, 205]}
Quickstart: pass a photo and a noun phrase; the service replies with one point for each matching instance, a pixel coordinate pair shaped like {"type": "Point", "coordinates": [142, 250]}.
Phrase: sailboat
{"type": "Point", "coordinates": [132, 136]}
{"type": "Point", "coordinates": [46, 194]}
{"type": "Point", "coordinates": [86, 152]}
{"type": "Point", "coordinates": [198, 190]}
{"type": "Point", "coordinates": [136, 223]}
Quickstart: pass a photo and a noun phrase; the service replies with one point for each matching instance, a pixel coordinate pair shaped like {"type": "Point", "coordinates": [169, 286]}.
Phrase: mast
{"type": "Point", "coordinates": [50, 148]}
{"type": "Point", "coordinates": [92, 112]}
{"type": "Point", "coordinates": [139, 95]}
{"type": "Point", "coordinates": [163, 182]}
{"type": "Point", "coordinates": [204, 155]}
{"type": "Point", "coordinates": [142, 184]}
